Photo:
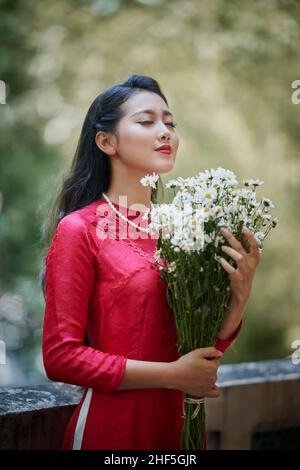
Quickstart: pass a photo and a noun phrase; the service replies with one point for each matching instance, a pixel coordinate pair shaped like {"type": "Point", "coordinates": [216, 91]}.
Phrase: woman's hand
{"type": "Point", "coordinates": [195, 373]}
{"type": "Point", "coordinates": [241, 277]}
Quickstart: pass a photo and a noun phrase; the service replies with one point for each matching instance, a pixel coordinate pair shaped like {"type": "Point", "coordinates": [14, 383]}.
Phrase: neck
{"type": "Point", "coordinates": [127, 190]}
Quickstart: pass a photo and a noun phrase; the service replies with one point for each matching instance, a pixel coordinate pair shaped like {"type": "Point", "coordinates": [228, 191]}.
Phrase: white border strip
{"type": "Point", "coordinates": [80, 426]}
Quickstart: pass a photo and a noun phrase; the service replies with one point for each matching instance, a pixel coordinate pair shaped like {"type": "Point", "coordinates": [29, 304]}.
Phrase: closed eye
{"type": "Point", "coordinates": [173, 124]}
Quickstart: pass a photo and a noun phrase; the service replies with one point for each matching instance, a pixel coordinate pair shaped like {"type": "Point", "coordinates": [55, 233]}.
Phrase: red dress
{"type": "Point", "coordinates": [110, 290]}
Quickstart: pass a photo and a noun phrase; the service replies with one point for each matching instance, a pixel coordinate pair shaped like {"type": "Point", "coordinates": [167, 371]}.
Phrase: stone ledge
{"type": "Point", "coordinates": [38, 397]}
{"type": "Point", "coordinates": [35, 417]}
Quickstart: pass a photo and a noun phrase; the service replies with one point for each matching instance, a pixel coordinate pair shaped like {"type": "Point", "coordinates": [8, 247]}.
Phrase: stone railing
{"type": "Point", "coordinates": [259, 406]}
{"type": "Point", "coordinates": [258, 397]}
{"type": "Point", "coordinates": [35, 417]}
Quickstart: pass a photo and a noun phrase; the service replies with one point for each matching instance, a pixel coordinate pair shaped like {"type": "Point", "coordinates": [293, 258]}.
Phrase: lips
{"type": "Point", "coordinates": [164, 149]}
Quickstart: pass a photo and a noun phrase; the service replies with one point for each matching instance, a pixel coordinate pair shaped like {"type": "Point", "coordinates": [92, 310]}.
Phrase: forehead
{"type": "Point", "coordinates": [145, 100]}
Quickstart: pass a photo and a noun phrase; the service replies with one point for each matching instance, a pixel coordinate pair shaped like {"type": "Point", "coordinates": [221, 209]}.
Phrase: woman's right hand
{"type": "Point", "coordinates": [195, 373]}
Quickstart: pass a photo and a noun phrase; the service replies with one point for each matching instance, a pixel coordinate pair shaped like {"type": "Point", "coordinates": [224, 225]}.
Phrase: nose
{"type": "Point", "coordinates": [165, 134]}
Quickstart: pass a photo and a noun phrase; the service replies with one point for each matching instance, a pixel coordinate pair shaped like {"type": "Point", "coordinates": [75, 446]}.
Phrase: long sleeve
{"type": "Point", "coordinates": [224, 344]}
{"type": "Point", "coordinates": [69, 280]}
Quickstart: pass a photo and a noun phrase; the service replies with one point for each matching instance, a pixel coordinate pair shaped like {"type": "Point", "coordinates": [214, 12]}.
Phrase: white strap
{"type": "Point", "coordinates": [78, 435]}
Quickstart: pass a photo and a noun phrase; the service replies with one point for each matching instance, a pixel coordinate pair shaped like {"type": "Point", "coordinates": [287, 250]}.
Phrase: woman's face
{"type": "Point", "coordinates": [140, 133]}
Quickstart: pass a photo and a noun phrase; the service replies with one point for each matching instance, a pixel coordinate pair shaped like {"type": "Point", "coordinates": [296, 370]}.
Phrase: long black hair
{"type": "Point", "coordinates": [90, 172]}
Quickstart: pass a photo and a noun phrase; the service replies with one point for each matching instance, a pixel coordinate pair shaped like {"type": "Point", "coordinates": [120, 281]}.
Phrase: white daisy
{"type": "Point", "coordinates": [253, 182]}
{"type": "Point", "coordinates": [150, 180]}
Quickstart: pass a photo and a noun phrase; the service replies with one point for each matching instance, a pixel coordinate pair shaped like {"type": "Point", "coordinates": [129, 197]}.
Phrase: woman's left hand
{"type": "Point", "coordinates": [241, 277]}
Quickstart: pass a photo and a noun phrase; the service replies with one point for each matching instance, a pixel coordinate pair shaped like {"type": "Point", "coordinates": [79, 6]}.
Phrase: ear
{"type": "Point", "coordinates": [106, 141]}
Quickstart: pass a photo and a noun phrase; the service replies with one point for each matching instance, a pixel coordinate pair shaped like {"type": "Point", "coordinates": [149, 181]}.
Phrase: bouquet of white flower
{"type": "Point", "coordinates": [189, 245]}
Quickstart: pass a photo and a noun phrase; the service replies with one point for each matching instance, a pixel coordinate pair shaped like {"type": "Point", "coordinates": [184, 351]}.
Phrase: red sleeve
{"type": "Point", "coordinates": [223, 344]}
{"type": "Point", "coordinates": [69, 280]}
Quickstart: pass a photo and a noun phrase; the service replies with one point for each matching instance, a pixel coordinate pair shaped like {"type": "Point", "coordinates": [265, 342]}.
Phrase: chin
{"type": "Point", "coordinates": [166, 167]}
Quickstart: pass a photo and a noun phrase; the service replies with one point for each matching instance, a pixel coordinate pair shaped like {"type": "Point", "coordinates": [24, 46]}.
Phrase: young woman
{"type": "Point", "coordinates": [107, 324]}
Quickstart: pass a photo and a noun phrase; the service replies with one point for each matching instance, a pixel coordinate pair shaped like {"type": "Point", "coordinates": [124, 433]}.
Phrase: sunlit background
{"type": "Point", "coordinates": [226, 68]}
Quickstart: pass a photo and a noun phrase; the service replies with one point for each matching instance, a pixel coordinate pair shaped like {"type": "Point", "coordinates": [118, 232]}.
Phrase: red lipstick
{"type": "Point", "coordinates": [167, 149]}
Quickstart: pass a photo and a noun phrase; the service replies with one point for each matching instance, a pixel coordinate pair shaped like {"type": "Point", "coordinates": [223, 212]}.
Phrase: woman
{"type": "Point", "coordinates": [107, 325]}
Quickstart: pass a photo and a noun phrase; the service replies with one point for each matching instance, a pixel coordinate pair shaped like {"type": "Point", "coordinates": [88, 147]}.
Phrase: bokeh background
{"type": "Point", "coordinates": [226, 68]}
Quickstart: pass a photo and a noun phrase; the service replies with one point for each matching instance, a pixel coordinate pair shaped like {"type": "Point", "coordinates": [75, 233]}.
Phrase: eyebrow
{"type": "Point", "coordinates": [151, 111]}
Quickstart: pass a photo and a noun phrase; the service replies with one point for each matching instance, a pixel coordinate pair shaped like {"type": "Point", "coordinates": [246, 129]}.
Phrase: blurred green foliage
{"type": "Point", "coordinates": [226, 68]}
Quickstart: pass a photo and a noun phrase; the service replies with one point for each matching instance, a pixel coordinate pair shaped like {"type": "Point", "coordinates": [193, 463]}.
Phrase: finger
{"type": "Point", "coordinates": [251, 239]}
{"type": "Point", "coordinates": [210, 352]}
{"type": "Point", "coordinates": [230, 269]}
{"type": "Point", "coordinates": [235, 255]}
{"type": "Point", "coordinates": [216, 361]}
{"type": "Point", "coordinates": [232, 240]}
{"type": "Point", "coordinates": [245, 243]}
{"type": "Point", "coordinates": [214, 392]}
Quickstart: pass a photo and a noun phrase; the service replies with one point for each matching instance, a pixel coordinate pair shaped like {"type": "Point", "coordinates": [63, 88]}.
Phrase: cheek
{"type": "Point", "coordinates": [135, 145]}
{"type": "Point", "coordinates": [135, 135]}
